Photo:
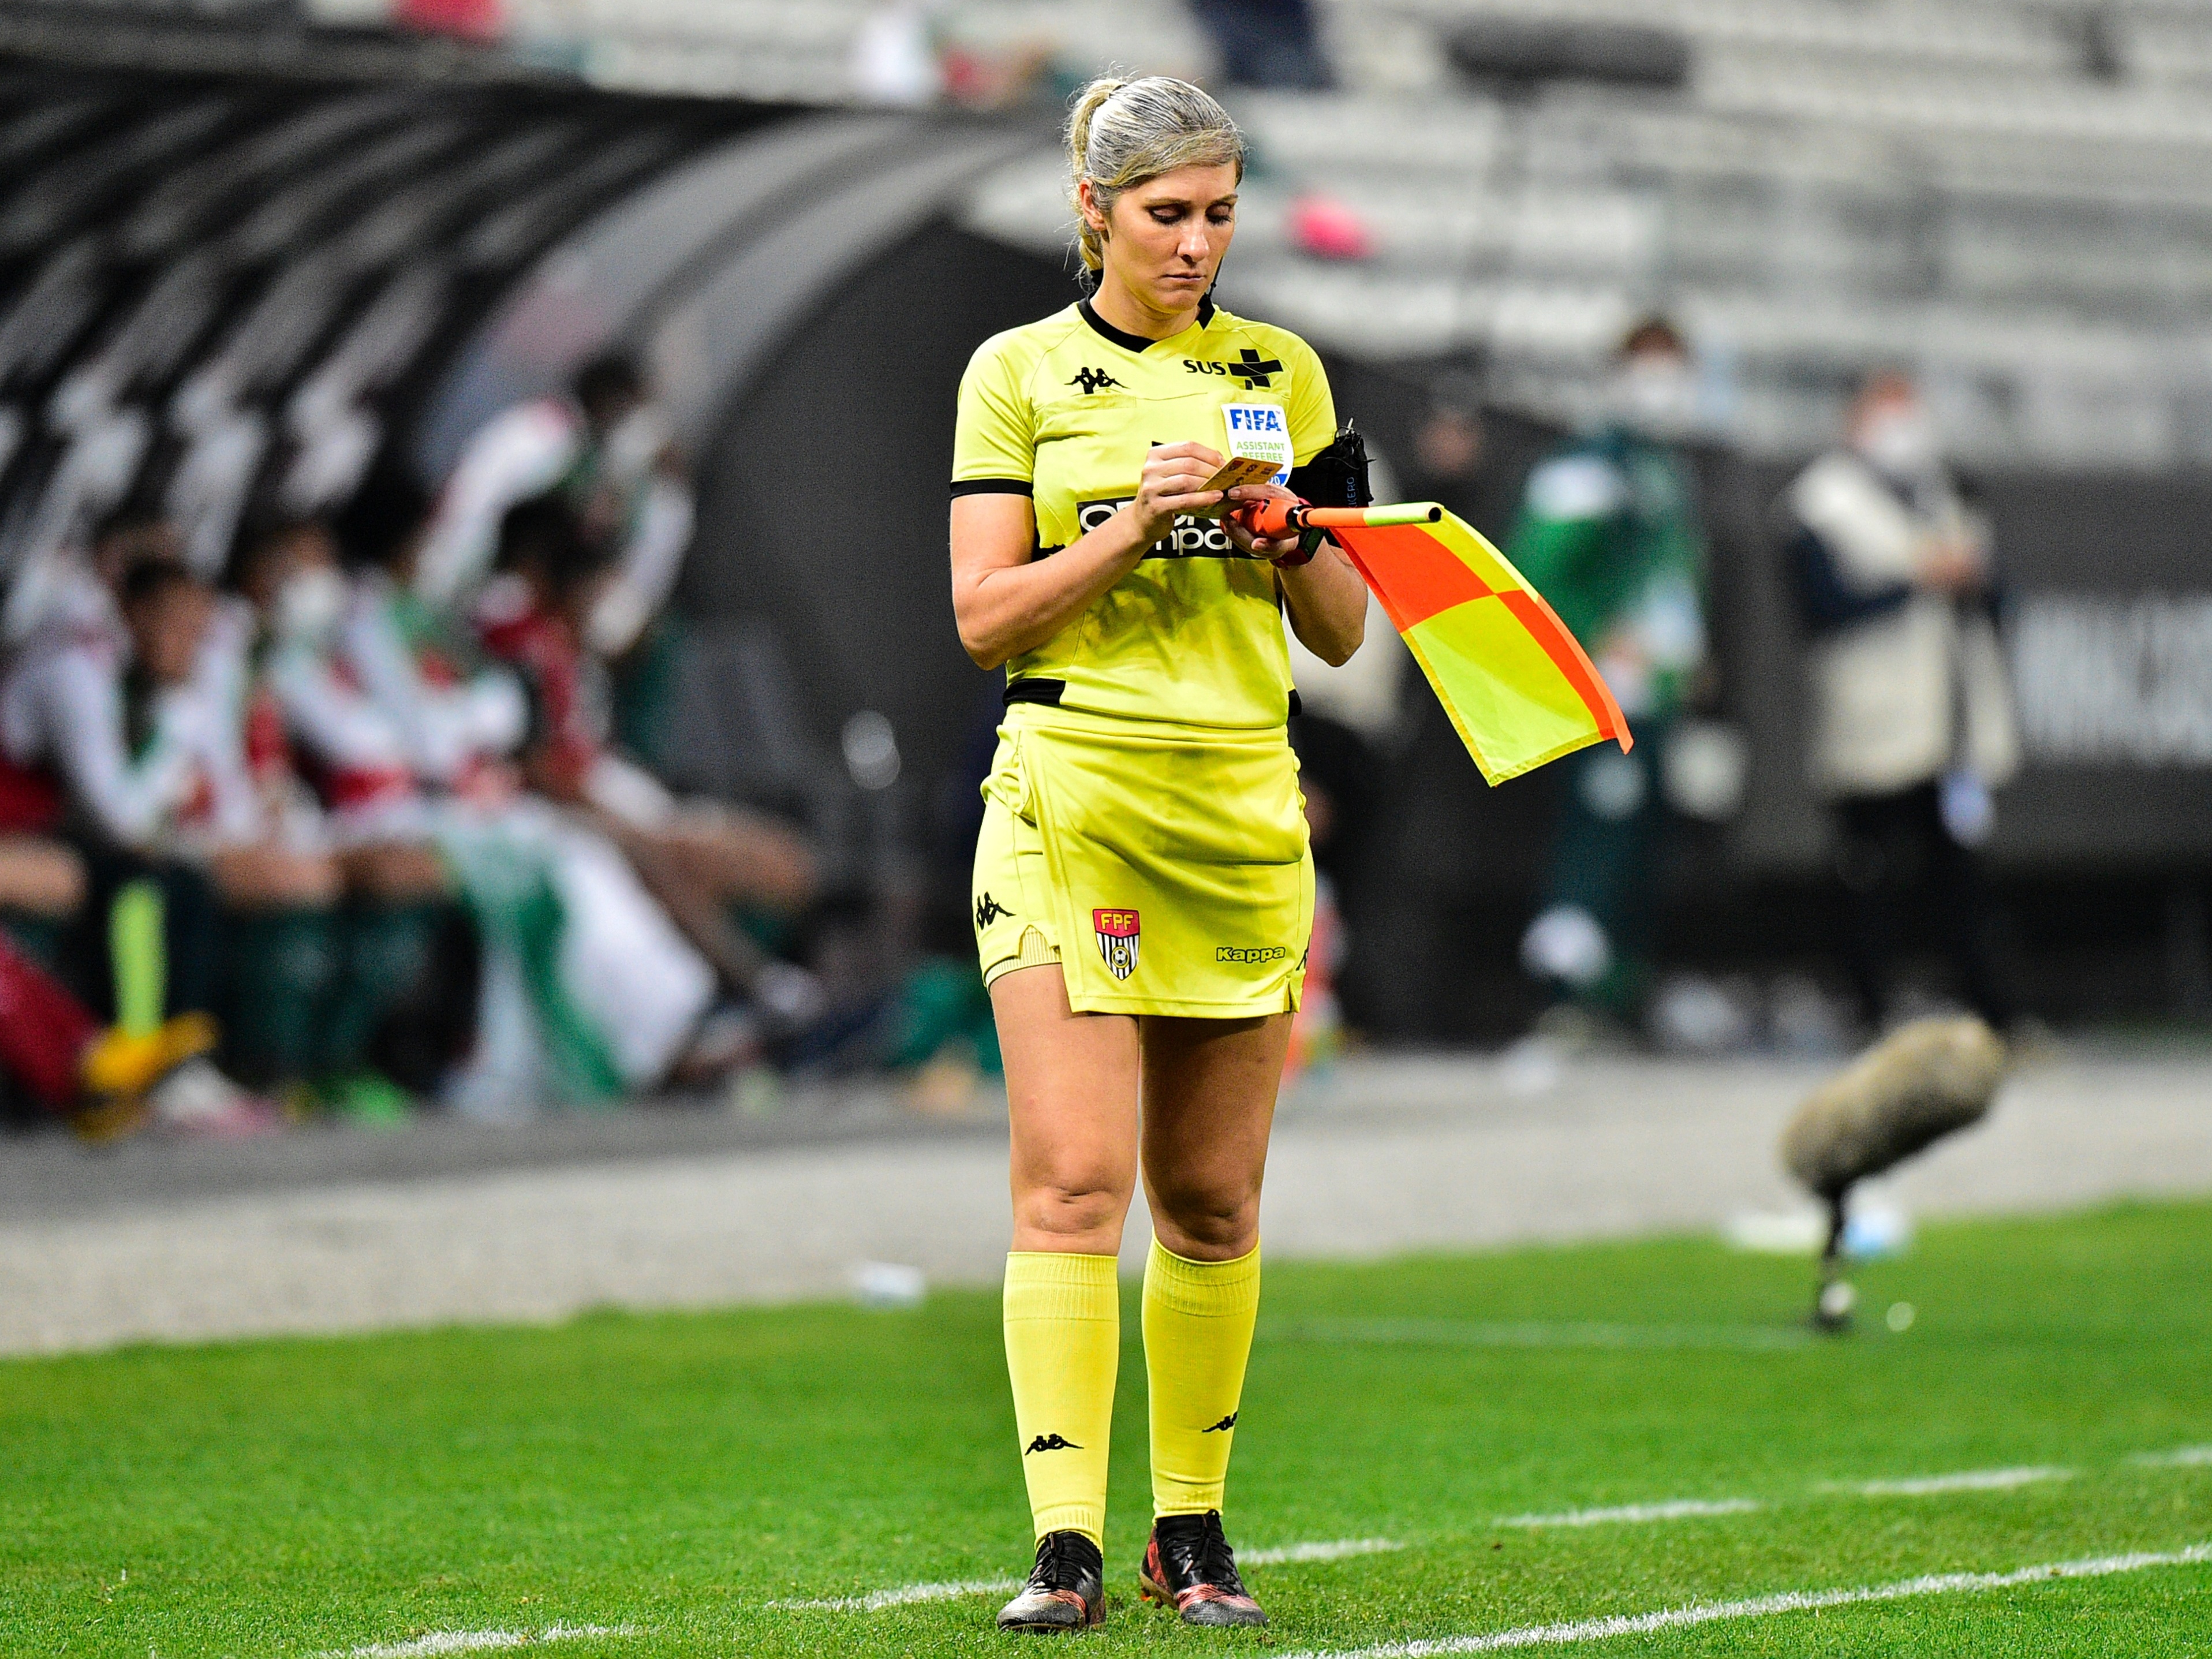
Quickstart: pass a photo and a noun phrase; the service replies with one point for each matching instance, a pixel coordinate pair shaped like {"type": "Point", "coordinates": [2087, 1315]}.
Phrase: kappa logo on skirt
{"type": "Point", "coordinates": [1117, 940]}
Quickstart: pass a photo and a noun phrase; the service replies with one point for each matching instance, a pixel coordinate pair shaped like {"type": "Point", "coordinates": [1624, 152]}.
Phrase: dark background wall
{"type": "Point", "coordinates": [825, 498]}
{"type": "Point", "coordinates": [824, 512]}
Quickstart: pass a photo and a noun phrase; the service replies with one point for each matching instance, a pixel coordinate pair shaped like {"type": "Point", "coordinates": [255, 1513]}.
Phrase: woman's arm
{"type": "Point", "coordinates": [1326, 598]}
{"type": "Point", "coordinates": [1006, 602]}
{"type": "Point", "coordinates": [1328, 603]}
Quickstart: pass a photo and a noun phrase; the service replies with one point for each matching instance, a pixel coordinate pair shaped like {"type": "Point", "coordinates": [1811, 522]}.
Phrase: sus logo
{"type": "Point", "coordinates": [1117, 940]}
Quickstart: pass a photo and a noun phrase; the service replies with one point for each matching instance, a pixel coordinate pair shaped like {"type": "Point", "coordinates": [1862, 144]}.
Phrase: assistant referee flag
{"type": "Point", "coordinates": [1519, 689]}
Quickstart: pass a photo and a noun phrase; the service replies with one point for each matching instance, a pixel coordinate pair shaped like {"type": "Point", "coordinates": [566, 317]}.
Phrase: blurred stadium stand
{"type": "Point", "coordinates": [244, 244]}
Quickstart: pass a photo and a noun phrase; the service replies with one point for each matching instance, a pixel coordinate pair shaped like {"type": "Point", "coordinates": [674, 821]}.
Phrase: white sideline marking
{"type": "Point", "coordinates": [1965, 1480]}
{"type": "Point", "coordinates": [2181, 1457]}
{"type": "Point", "coordinates": [905, 1594]}
{"type": "Point", "coordinates": [1760, 1606]}
{"type": "Point", "coordinates": [1283, 1555]}
{"type": "Point", "coordinates": [477, 1641]}
{"type": "Point", "coordinates": [877, 1600]}
{"type": "Point", "coordinates": [1679, 1508]}
{"type": "Point", "coordinates": [1470, 1333]}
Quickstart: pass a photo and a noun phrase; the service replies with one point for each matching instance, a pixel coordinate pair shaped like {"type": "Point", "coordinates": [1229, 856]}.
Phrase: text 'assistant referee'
{"type": "Point", "coordinates": [1259, 432]}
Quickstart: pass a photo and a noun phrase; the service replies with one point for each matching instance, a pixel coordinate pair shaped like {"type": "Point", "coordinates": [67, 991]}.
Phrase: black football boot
{"type": "Point", "coordinates": [1189, 1566]}
{"type": "Point", "coordinates": [1066, 1590]}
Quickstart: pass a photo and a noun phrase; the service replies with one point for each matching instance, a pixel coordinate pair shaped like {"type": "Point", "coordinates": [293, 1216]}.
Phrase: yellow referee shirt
{"type": "Point", "coordinates": [1063, 412]}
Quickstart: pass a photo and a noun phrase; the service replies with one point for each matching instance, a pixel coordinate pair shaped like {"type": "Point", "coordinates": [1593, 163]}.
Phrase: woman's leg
{"type": "Point", "coordinates": [1209, 1102]}
{"type": "Point", "coordinates": [1071, 1084]}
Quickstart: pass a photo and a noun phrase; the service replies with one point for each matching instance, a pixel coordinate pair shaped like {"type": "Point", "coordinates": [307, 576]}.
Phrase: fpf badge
{"type": "Point", "coordinates": [1117, 940]}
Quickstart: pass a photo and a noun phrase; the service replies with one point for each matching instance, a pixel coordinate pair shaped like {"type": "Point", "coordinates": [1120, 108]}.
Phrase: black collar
{"type": "Point", "coordinates": [1135, 343]}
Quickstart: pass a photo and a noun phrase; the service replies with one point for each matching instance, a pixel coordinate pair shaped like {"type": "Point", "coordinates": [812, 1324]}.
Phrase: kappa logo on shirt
{"type": "Point", "coordinates": [1091, 379]}
{"type": "Point", "coordinates": [989, 911]}
{"type": "Point", "coordinates": [1191, 539]}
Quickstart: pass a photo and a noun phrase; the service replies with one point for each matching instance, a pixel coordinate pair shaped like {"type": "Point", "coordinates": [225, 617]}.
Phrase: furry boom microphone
{"type": "Point", "coordinates": [1927, 1080]}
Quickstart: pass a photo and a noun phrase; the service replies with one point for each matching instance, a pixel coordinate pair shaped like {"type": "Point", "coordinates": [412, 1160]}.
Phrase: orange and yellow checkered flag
{"type": "Point", "coordinates": [1518, 687]}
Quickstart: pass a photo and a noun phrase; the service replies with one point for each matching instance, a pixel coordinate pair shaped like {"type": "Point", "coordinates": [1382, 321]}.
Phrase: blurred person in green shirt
{"type": "Point", "coordinates": [1609, 533]}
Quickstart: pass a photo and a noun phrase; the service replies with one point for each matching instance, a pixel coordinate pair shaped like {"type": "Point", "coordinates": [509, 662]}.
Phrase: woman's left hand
{"type": "Point", "coordinates": [1245, 542]}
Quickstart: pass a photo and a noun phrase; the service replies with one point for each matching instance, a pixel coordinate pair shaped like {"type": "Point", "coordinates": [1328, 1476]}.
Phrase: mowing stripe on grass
{"type": "Point", "coordinates": [1679, 1508]}
{"type": "Point", "coordinates": [900, 1597]}
{"type": "Point", "coordinates": [2181, 1457]}
{"type": "Point", "coordinates": [1472, 1333]}
{"type": "Point", "coordinates": [480, 1641]}
{"type": "Point", "coordinates": [1285, 1554]}
{"type": "Point", "coordinates": [1761, 1607]}
{"type": "Point", "coordinates": [1934, 1485]}
{"type": "Point", "coordinates": [905, 1594]}
{"type": "Point", "coordinates": [1467, 1332]}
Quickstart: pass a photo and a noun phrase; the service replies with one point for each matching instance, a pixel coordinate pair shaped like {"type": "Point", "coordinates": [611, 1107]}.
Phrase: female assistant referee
{"type": "Point", "coordinates": [1143, 886]}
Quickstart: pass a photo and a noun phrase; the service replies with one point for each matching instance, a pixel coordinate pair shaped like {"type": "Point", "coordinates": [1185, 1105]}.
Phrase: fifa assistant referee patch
{"type": "Point", "coordinates": [1259, 432]}
{"type": "Point", "coordinates": [1117, 940]}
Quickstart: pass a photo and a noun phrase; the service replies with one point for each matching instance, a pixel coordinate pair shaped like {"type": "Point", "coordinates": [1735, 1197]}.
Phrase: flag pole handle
{"type": "Point", "coordinates": [1272, 519]}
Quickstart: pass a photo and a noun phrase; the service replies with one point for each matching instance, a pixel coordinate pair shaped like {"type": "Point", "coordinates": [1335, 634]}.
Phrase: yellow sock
{"type": "Point", "coordinates": [1063, 1346]}
{"type": "Point", "coordinates": [1198, 1334]}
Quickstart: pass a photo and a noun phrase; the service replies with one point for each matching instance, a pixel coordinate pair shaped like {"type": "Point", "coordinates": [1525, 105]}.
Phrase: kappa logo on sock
{"type": "Point", "coordinates": [1228, 1422]}
{"type": "Point", "coordinates": [1050, 1443]}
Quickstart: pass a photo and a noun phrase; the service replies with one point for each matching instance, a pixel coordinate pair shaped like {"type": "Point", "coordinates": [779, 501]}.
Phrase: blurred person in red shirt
{"type": "Point", "coordinates": [699, 858]}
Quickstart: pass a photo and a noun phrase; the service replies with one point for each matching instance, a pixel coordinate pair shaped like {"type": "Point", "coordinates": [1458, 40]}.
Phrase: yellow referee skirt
{"type": "Point", "coordinates": [1163, 866]}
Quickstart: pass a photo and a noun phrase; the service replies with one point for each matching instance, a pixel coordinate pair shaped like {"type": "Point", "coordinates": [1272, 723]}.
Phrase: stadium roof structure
{"type": "Point", "coordinates": [2010, 198]}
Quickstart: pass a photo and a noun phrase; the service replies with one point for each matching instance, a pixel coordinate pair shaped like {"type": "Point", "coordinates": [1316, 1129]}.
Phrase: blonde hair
{"type": "Point", "coordinates": [1120, 133]}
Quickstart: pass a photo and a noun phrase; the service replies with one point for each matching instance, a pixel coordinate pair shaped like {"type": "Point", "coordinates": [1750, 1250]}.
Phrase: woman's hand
{"type": "Point", "coordinates": [1171, 485]}
{"type": "Point", "coordinates": [1246, 543]}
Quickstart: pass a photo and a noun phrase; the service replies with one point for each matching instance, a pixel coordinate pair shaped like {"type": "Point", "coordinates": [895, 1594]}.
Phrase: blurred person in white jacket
{"type": "Point", "coordinates": [611, 997]}
{"type": "Point", "coordinates": [140, 726]}
{"type": "Point", "coordinates": [606, 448]}
{"type": "Point", "coordinates": [604, 445]}
{"type": "Point", "coordinates": [1913, 722]}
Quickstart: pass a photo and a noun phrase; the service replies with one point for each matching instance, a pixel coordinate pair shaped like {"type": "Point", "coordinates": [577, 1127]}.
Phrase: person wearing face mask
{"type": "Point", "coordinates": [139, 728]}
{"type": "Point", "coordinates": [335, 774]}
{"type": "Point", "coordinates": [608, 997]}
{"type": "Point", "coordinates": [1912, 723]}
{"type": "Point", "coordinates": [1609, 533]}
{"type": "Point", "coordinates": [606, 449]}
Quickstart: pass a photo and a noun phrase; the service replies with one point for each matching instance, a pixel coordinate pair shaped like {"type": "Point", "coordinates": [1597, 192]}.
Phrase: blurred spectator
{"type": "Point", "coordinates": [698, 858]}
{"type": "Point", "coordinates": [1449, 444]}
{"type": "Point", "coordinates": [129, 718]}
{"type": "Point", "coordinates": [332, 770]}
{"type": "Point", "coordinates": [1266, 43]}
{"type": "Point", "coordinates": [73, 586]}
{"type": "Point", "coordinates": [1609, 533]}
{"type": "Point", "coordinates": [606, 449]}
{"type": "Point", "coordinates": [459, 717]}
{"type": "Point", "coordinates": [895, 55]}
{"type": "Point", "coordinates": [1913, 718]}
{"type": "Point", "coordinates": [586, 991]}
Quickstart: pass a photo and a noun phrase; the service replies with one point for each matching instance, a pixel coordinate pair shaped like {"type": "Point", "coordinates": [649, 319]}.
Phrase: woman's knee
{"type": "Point", "coordinates": [1210, 1214]}
{"type": "Point", "coordinates": [1073, 1201]}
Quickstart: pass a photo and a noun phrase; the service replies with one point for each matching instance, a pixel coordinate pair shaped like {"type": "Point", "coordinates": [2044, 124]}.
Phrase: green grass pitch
{"type": "Point", "coordinates": [669, 1478]}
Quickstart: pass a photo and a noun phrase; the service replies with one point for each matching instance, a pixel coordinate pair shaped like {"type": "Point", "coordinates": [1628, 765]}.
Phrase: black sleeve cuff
{"type": "Point", "coordinates": [990, 487]}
